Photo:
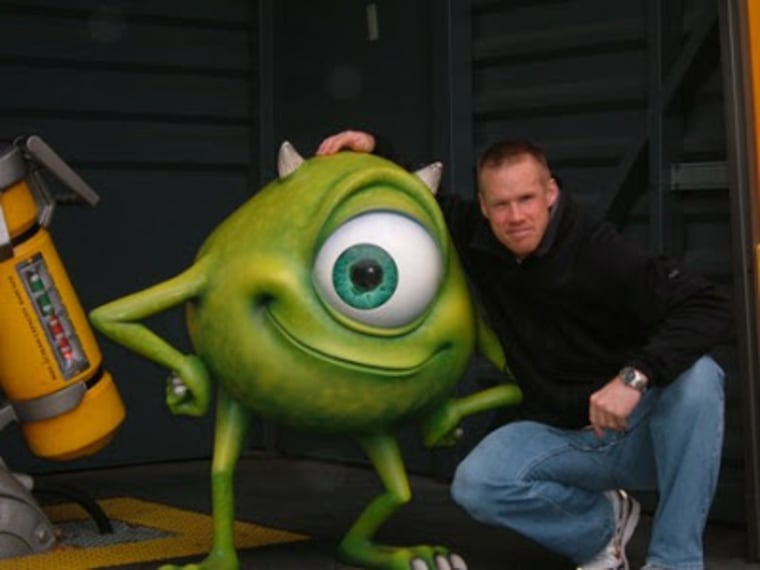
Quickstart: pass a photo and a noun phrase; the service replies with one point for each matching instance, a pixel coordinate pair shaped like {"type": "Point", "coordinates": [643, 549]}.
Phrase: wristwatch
{"type": "Point", "coordinates": [634, 378]}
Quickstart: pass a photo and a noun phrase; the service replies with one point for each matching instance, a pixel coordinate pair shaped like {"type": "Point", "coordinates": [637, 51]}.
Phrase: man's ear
{"type": "Point", "coordinates": [553, 190]}
{"type": "Point", "coordinates": [482, 204]}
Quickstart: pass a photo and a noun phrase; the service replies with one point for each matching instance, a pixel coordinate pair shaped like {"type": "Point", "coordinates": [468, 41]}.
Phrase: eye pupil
{"type": "Point", "coordinates": [366, 274]}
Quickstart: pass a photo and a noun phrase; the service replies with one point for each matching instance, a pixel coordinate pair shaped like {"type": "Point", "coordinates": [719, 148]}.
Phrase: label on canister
{"type": "Point", "coordinates": [52, 316]}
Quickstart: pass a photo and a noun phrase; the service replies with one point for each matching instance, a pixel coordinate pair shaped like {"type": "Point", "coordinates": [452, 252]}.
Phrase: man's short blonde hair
{"type": "Point", "coordinates": [509, 151]}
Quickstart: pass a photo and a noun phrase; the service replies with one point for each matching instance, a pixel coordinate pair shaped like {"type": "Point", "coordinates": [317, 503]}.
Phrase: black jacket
{"type": "Point", "coordinates": [585, 304]}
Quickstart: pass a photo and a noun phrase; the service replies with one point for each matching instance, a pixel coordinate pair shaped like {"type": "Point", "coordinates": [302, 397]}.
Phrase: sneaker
{"type": "Point", "coordinates": [613, 557]}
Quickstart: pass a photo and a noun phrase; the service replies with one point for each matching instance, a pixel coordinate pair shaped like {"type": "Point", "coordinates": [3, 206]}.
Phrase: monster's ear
{"type": "Point", "coordinates": [431, 175]}
{"type": "Point", "coordinates": [288, 160]}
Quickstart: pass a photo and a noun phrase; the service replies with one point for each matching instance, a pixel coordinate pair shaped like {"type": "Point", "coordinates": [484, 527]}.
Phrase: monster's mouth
{"type": "Point", "coordinates": [346, 363]}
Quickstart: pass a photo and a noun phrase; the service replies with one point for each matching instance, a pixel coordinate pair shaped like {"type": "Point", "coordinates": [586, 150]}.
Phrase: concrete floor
{"type": "Point", "coordinates": [322, 499]}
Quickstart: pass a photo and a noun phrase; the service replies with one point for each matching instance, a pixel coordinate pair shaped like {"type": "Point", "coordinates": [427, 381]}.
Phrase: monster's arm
{"type": "Point", "coordinates": [441, 427]}
{"type": "Point", "coordinates": [117, 320]}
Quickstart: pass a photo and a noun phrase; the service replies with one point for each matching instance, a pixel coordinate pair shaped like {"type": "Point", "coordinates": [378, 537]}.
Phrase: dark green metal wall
{"type": "Point", "coordinates": [155, 105]}
{"type": "Point", "coordinates": [173, 112]}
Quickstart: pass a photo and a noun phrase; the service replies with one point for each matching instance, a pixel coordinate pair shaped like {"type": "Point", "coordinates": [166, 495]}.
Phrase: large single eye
{"type": "Point", "coordinates": [381, 268]}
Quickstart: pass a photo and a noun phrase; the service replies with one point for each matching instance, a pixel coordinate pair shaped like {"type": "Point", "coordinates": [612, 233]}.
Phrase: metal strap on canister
{"type": "Point", "coordinates": [50, 405]}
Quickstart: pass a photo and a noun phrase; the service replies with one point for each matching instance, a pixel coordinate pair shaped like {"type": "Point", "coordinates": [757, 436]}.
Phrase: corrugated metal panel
{"type": "Point", "coordinates": [568, 75]}
{"type": "Point", "coordinates": [155, 104]}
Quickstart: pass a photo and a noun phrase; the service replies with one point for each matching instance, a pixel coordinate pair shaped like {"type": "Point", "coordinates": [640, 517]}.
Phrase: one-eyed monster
{"type": "Point", "coordinates": [332, 301]}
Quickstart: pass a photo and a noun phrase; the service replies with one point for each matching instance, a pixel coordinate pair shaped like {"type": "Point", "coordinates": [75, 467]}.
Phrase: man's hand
{"type": "Point", "coordinates": [358, 141]}
{"type": "Point", "coordinates": [610, 406]}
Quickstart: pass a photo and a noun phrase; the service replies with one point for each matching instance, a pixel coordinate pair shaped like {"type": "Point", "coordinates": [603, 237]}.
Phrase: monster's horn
{"type": "Point", "coordinates": [431, 175]}
{"type": "Point", "coordinates": [288, 160]}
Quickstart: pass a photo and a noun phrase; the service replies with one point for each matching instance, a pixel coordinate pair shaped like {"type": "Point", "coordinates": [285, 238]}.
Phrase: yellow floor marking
{"type": "Point", "coordinates": [191, 533]}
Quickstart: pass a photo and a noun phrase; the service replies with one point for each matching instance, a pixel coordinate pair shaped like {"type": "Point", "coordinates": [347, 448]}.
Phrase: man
{"type": "Point", "coordinates": [608, 344]}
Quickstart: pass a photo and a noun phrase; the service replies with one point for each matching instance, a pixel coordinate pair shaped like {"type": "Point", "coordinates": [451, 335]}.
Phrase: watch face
{"type": "Point", "coordinates": [631, 377]}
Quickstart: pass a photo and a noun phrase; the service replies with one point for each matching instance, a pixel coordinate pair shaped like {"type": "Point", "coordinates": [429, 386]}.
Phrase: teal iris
{"type": "Point", "coordinates": [365, 276]}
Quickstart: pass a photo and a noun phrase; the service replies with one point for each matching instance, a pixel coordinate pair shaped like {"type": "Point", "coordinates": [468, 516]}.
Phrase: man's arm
{"type": "Point", "coordinates": [685, 315]}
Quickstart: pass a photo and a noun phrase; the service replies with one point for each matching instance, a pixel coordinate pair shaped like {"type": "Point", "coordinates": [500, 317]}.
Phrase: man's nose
{"type": "Point", "coordinates": [514, 213]}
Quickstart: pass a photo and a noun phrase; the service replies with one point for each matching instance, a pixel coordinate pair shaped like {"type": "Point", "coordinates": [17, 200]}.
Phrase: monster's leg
{"type": "Point", "coordinates": [357, 546]}
{"type": "Point", "coordinates": [232, 422]}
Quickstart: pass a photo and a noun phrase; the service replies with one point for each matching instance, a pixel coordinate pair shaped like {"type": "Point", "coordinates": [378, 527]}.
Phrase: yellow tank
{"type": "Point", "coordinates": [50, 364]}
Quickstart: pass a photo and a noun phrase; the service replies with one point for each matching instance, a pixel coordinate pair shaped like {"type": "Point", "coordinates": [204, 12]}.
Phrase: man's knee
{"type": "Point", "coordinates": [470, 491]}
{"type": "Point", "coordinates": [701, 385]}
{"type": "Point", "coordinates": [697, 394]}
{"type": "Point", "coordinates": [492, 470]}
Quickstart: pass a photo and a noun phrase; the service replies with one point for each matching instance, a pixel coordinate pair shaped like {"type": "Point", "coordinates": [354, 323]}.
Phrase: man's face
{"type": "Point", "coordinates": [516, 199]}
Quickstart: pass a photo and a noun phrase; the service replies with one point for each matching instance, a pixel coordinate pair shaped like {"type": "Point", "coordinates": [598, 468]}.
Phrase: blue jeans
{"type": "Point", "coordinates": [547, 483]}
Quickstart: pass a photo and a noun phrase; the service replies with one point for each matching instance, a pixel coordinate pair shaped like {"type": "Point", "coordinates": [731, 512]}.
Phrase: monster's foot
{"type": "Point", "coordinates": [421, 557]}
{"type": "Point", "coordinates": [448, 561]}
{"type": "Point", "coordinates": [214, 561]}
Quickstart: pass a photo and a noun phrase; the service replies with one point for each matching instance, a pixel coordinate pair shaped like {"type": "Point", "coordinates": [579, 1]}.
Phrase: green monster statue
{"type": "Point", "coordinates": [331, 301]}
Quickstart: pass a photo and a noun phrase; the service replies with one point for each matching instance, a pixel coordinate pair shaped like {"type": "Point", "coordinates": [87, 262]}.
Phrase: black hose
{"type": "Point", "coordinates": [79, 497]}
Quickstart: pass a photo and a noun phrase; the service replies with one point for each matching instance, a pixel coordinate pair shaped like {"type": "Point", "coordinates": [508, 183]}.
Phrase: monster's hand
{"type": "Point", "coordinates": [441, 427]}
{"type": "Point", "coordinates": [188, 389]}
